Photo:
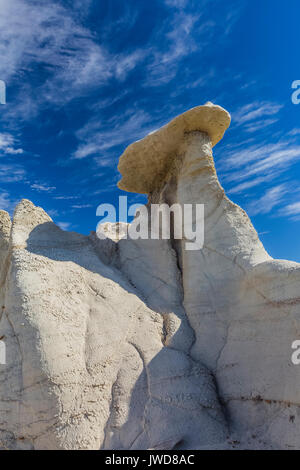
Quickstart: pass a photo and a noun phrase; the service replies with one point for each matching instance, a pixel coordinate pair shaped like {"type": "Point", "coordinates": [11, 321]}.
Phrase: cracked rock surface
{"type": "Point", "coordinates": [142, 344]}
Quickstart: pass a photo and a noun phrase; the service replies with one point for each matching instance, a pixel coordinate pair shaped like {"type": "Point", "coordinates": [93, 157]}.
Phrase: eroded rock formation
{"type": "Point", "coordinates": [142, 344]}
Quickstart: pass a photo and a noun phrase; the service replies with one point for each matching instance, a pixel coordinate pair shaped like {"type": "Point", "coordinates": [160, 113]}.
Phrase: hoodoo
{"type": "Point", "coordinates": [142, 344]}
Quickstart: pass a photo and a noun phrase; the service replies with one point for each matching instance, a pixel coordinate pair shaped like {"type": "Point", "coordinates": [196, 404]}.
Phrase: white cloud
{"type": "Point", "coordinates": [166, 61]}
{"type": "Point", "coordinates": [8, 145]}
{"type": "Point", "coordinates": [6, 203]}
{"type": "Point", "coordinates": [11, 173]}
{"type": "Point", "coordinates": [176, 3]}
{"type": "Point", "coordinates": [251, 166]}
{"type": "Point", "coordinates": [294, 132]}
{"type": "Point", "coordinates": [258, 125]}
{"type": "Point", "coordinates": [81, 206]}
{"type": "Point", "coordinates": [245, 153]}
{"type": "Point", "coordinates": [250, 184]}
{"type": "Point", "coordinates": [86, 149]}
{"type": "Point", "coordinates": [232, 17]}
{"type": "Point", "coordinates": [254, 111]}
{"type": "Point", "coordinates": [270, 199]}
{"type": "Point", "coordinates": [98, 138]}
{"type": "Point", "coordinates": [291, 210]}
{"type": "Point", "coordinates": [63, 198]}
{"type": "Point", "coordinates": [42, 187]}
{"type": "Point", "coordinates": [49, 34]}
{"type": "Point", "coordinates": [203, 80]}
{"type": "Point", "coordinates": [278, 160]}
{"type": "Point", "coordinates": [75, 60]}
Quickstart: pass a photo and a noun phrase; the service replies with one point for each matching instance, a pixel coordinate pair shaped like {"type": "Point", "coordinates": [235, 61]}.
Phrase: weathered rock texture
{"type": "Point", "coordinates": [141, 344]}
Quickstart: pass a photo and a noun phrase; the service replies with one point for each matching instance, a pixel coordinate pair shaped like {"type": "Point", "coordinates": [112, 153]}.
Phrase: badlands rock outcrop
{"type": "Point", "coordinates": [143, 344]}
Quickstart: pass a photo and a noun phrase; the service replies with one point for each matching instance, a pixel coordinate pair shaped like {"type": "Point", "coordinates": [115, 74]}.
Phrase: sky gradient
{"type": "Point", "coordinates": [87, 78]}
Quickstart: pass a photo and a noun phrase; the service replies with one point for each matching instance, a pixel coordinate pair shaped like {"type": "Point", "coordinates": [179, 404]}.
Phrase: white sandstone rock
{"type": "Point", "coordinates": [141, 344]}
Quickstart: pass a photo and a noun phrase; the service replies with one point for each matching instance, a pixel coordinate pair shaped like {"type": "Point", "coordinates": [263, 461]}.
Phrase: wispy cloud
{"type": "Point", "coordinates": [187, 31]}
{"type": "Point", "coordinates": [8, 145]}
{"type": "Point", "coordinates": [48, 34]}
{"type": "Point", "coordinates": [259, 165]}
{"type": "Point", "coordinates": [176, 3]}
{"type": "Point", "coordinates": [263, 162]}
{"type": "Point", "coordinates": [294, 132]}
{"type": "Point", "coordinates": [81, 206]}
{"type": "Point", "coordinates": [11, 173]}
{"type": "Point", "coordinates": [270, 199]}
{"type": "Point", "coordinates": [256, 110]}
{"type": "Point", "coordinates": [6, 202]}
{"type": "Point", "coordinates": [165, 62]}
{"type": "Point", "coordinates": [240, 188]}
{"type": "Point", "coordinates": [42, 187]}
{"type": "Point", "coordinates": [278, 160]}
{"type": "Point", "coordinates": [74, 60]}
{"type": "Point", "coordinates": [64, 198]}
{"type": "Point", "coordinates": [292, 211]}
{"type": "Point", "coordinates": [259, 125]}
{"type": "Point", "coordinates": [98, 138]}
{"type": "Point", "coordinates": [232, 17]}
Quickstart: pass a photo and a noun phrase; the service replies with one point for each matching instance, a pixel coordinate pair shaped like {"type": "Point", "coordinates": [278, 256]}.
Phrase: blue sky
{"type": "Point", "coordinates": [85, 78]}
